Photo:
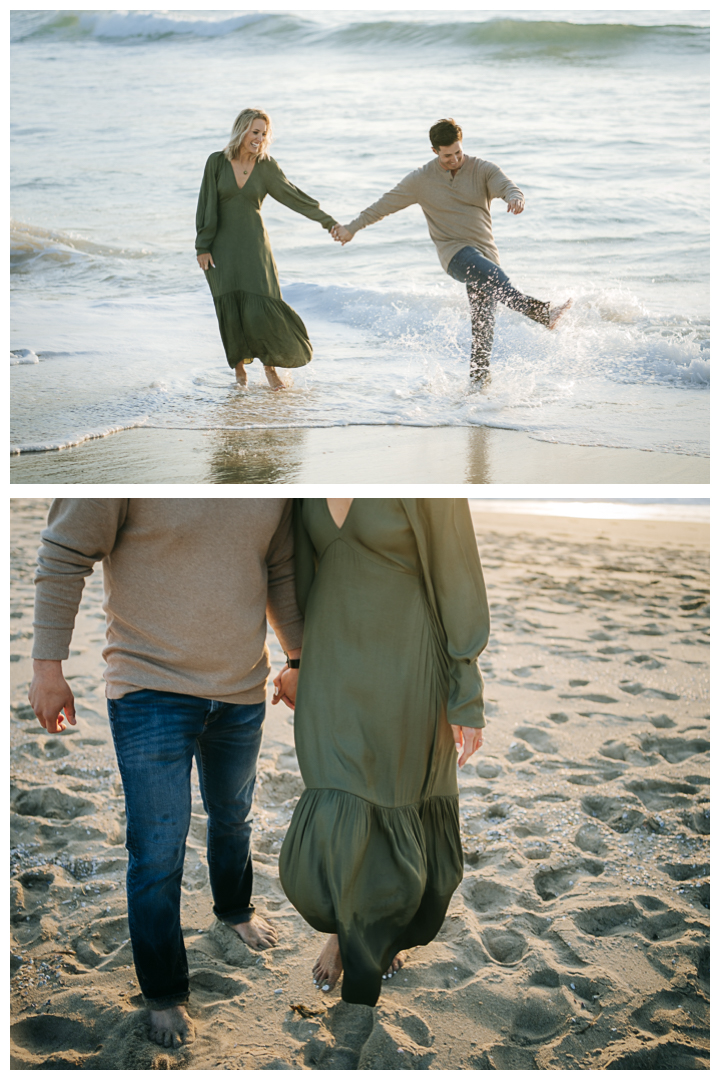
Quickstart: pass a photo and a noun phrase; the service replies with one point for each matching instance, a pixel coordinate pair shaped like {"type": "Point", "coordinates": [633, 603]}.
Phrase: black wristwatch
{"type": "Point", "coordinates": [293, 663]}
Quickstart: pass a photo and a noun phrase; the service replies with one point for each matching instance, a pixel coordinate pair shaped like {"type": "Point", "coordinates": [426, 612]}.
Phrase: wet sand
{"type": "Point", "coordinates": [349, 455]}
{"type": "Point", "coordinates": [579, 936]}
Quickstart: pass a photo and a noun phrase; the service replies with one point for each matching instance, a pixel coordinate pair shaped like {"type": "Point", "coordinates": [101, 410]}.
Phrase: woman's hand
{"type": "Point", "coordinates": [206, 261]}
{"type": "Point", "coordinates": [467, 741]}
{"type": "Point", "coordinates": [339, 232]}
{"type": "Point", "coordinates": [285, 684]}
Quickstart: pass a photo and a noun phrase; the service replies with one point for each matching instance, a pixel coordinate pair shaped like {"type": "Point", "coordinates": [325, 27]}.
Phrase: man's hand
{"type": "Point", "coordinates": [339, 232]}
{"type": "Point", "coordinates": [516, 206]}
{"type": "Point", "coordinates": [286, 687]}
{"type": "Point", "coordinates": [206, 261]}
{"type": "Point", "coordinates": [50, 696]}
{"type": "Point", "coordinates": [467, 741]}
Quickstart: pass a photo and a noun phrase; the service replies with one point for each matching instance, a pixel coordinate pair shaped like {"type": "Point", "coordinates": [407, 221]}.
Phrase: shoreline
{"type": "Point", "coordinates": [358, 454]}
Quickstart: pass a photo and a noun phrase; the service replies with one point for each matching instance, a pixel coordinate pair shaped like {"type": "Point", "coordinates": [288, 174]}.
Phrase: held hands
{"type": "Point", "coordinates": [286, 687]}
{"type": "Point", "coordinates": [339, 232]}
{"type": "Point", "coordinates": [516, 206]}
{"type": "Point", "coordinates": [50, 696]}
{"type": "Point", "coordinates": [467, 741]}
{"type": "Point", "coordinates": [206, 261]}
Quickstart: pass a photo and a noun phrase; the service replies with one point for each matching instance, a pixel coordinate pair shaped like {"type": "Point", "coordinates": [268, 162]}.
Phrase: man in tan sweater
{"type": "Point", "coordinates": [454, 191]}
{"type": "Point", "coordinates": [188, 585]}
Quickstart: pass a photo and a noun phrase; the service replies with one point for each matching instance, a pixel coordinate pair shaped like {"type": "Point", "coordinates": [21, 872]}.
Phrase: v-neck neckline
{"type": "Point", "coordinates": [349, 511]}
{"type": "Point", "coordinates": [250, 175]}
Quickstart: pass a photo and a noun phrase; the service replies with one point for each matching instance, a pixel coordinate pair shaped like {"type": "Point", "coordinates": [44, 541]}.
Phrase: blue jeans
{"type": "Point", "coordinates": [487, 283]}
{"type": "Point", "coordinates": [156, 736]}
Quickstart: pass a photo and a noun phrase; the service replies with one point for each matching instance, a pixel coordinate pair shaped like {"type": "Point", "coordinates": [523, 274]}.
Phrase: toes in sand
{"type": "Point", "coordinates": [171, 1027]}
{"type": "Point", "coordinates": [328, 966]}
{"type": "Point", "coordinates": [257, 933]}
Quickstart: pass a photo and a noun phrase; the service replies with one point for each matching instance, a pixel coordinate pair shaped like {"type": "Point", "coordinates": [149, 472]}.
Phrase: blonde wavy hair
{"type": "Point", "coordinates": [243, 123]}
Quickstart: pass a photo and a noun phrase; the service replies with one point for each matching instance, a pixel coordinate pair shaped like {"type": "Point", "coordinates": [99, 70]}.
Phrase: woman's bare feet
{"type": "Point", "coordinates": [171, 1027]}
{"type": "Point", "coordinates": [328, 966]}
{"type": "Point", "coordinates": [257, 933]}
{"type": "Point", "coordinates": [274, 379]}
{"type": "Point", "coordinates": [556, 313]}
{"type": "Point", "coordinates": [397, 963]}
{"type": "Point", "coordinates": [241, 373]}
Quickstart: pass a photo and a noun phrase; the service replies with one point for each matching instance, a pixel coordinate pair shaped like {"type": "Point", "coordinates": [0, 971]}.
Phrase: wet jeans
{"type": "Point", "coordinates": [156, 736]}
{"type": "Point", "coordinates": [486, 284]}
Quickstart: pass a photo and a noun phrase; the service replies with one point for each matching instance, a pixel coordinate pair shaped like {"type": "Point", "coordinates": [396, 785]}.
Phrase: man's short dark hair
{"type": "Point", "coordinates": [445, 133]}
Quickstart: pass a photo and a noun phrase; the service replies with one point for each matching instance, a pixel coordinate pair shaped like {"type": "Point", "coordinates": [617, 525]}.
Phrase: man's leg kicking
{"type": "Point", "coordinates": [155, 737]}
{"type": "Point", "coordinates": [227, 752]}
{"type": "Point", "coordinates": [473, 269]}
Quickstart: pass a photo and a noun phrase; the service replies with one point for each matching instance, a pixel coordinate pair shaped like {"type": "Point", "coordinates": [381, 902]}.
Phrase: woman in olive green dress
{"type": "Point", "coordinates": [234, 251]}
{"type": "Point", "coordinates": [389, 691]}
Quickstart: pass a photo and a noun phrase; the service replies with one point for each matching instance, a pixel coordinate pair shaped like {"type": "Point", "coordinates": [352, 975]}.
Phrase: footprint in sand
{"type": "Point", "coordinates": [213, 984]}
{"type": "Point", "coordinates": [673, 749]}
{"type": "Point", "coordinates": [659, 794]}
{"type": "Point", "coordinates": [52, 1041]}
{"type": "Point", "coordinates": [550, 884]}
{"type": "Point", "coordinates": [51, 802]}
{"type": "Point", "coordinates": [663, 1012]}
{"type": "Point", "coordinates": [485, 895]}
{"type": "Point", "coordinates": [617, 815]}
{"type": "Point", "coordinates": [636, 688]}
{"type": "Point", "coordinates": [506, 947]}
{"type": "Point", "coordinates": [540, 1016]}
{"type": "Point", "coordinates": [590, 838]}
{"type": "Point", "coordinates": [537, 738]}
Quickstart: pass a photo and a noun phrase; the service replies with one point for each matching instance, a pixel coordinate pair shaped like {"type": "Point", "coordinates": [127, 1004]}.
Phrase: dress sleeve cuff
{"type": "Point", "coordinates": [466, 706]}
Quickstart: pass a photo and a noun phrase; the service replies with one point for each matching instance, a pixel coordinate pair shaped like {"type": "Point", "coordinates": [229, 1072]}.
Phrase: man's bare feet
{"type": "Point", "coordinates": [556, 313]}
{"type": "Point", "coordinates": [328, 966]}
{"type": "Point", "coordinates": [257, 933]}
{"type": "Point", "coordinates": [171, 1027]}
{"type": "Point", "coordinates": [397, 963]}
{"type": "Point", "coordinates": [274, 379]}
{"type": "Point", "coordinates": [241, 374]}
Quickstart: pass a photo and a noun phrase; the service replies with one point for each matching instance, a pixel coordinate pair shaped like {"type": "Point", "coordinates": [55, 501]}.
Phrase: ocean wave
{"type": "Point", "coordinates": [30, 243]}
{"type": "Point", "coordinates": [608, 332]}
{"type": "Point", "coordinates": [65, 443]}
{"type": "Point", "coordinates": [554, 36]}
{"type": "Point", "coordinates": [23, 356]}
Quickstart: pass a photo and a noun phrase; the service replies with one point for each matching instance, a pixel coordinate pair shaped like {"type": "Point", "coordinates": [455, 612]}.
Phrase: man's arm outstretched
{"type": "Point", "coordinates": [404, 194]}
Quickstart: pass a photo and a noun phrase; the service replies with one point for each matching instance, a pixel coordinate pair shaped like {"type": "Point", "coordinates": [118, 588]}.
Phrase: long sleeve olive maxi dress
{"type": "Point", "coordinates": [395, 617]}
{"type": "Point", "coordinates": [254, 319]}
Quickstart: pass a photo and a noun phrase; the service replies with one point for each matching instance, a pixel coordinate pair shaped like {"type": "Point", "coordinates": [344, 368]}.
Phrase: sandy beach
{"type": "Point", "coordinates": [350, 455]}
{"type": "Point", "coordinates": [579, 937]}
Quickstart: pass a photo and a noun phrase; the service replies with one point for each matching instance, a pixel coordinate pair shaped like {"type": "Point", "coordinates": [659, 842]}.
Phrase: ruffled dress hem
{"type": "Point", "coordinates": [253, 326]}
{"type": "Point", "coordinates": [381, 878]}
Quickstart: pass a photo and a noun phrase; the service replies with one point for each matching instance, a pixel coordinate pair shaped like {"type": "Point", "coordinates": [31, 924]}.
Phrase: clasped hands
{"type": "Point", "coordinates": [467, 739]}
{"type": "Point", "coordinates": [339, 232]}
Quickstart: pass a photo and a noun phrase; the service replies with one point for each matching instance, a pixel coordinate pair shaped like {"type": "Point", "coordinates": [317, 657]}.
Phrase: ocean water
{"type": "Point", "coordinates": [600, 117]}
{"type": "Point", "coordinates": [688, 510]}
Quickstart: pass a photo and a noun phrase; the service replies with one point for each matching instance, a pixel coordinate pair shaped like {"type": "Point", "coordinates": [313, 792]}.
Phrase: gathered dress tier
{"type": "Point", "coordinates": [254, 319]}
{"type": "Point", "coordinates": [395, 617]}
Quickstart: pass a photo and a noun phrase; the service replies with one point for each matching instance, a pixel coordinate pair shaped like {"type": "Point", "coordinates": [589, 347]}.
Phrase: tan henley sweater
{"type": "Point", "coordinates": [457, 209]}
{"type": "Point", "coordinates": [188, 583]}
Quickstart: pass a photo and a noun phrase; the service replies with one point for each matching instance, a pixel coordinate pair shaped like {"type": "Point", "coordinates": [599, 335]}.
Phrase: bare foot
{"type": "Point", "coordinates": [556, 313]}
{"type": "Point", "coordinates": [328, 966]}
{"type": "Point", "coordinates": [397, 963]}
{"type": "Point", "coordinates": [241, 374]}
{"type": "Point", "coordinates": [171, 1027]}
{"type": "Point", "coordinates": [257, 933]}
{"type": "Point", "coordinates": [274, 379]}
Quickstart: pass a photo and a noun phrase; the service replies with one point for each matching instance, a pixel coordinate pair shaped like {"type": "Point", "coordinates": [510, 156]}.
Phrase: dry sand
{"type": "Point", "coordinates": [579, 936]}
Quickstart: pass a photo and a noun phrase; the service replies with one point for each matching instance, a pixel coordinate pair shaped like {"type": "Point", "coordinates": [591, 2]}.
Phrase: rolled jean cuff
{"type": "Point", "coordinates": [243, 915]}
{"type": "Point", "coordinates": [168, 1002]}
